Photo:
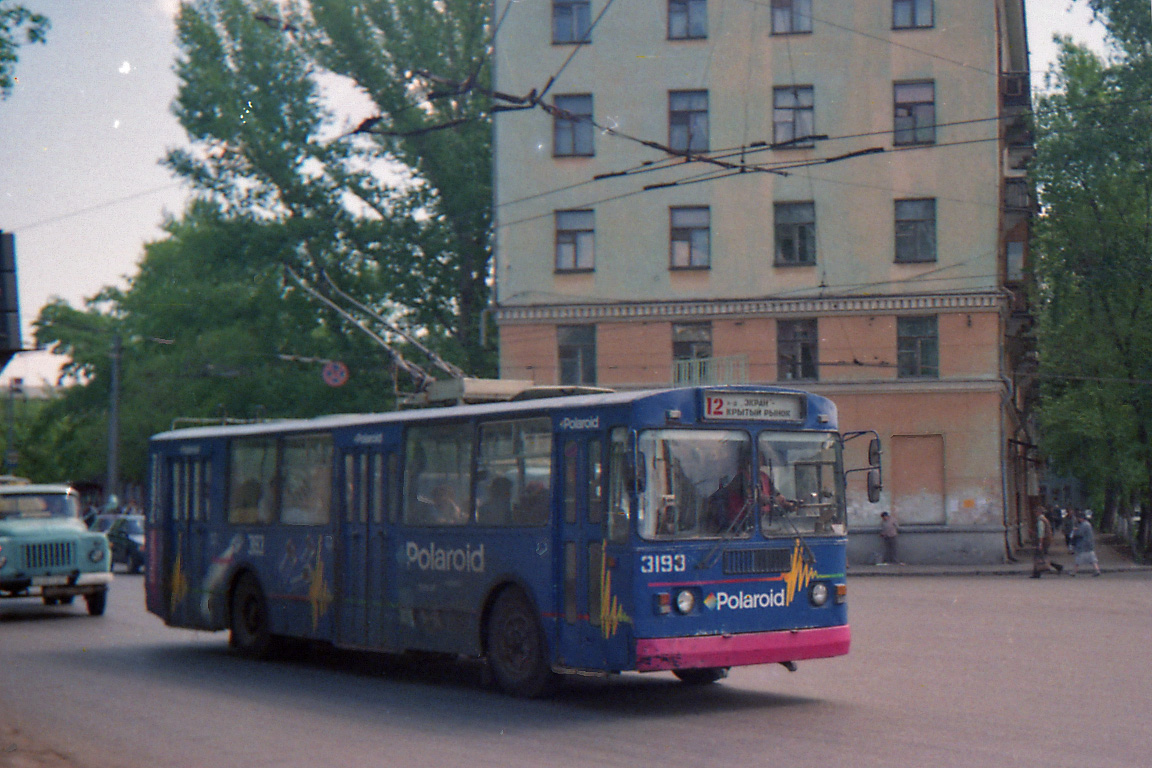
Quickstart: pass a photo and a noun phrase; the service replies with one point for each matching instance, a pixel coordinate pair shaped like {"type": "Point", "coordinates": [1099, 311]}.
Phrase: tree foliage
{"type": "Point", "coordinates": [395, 209]}
{"type": "Point", "coordinates": [17, 22]}
{"type": "Point", "coordinates": [1093, 258]}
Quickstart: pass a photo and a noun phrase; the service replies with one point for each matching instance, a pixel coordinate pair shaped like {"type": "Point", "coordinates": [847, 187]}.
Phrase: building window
{"type": "Point", "coordinates": [917, 347]}
{"type": "Point", "coordinates": [687, 19]}
{"type": "Point", "coordinates": [795, 234]}
{"type": "Point", "coordinates": [575, 233]}
{"type": "Point", "coordinates": [791, 16]}
{"type": "Point", "coordinates": [691, 341]}
{"type": "Point", "coordinates": [915, 231]}
{"type": "Point", "coordinates": [691, 233]}
{"type": "Point", "coordinates": [915, 113]}
{"type": "Point", "coordinates": [692, 362]}
{"type": "Point", "coordinates": [572, 126]}
{"type": "Point", "coordinates": [793, 115]}
{"type": "Point", "coordinates": [576, 348]}
{"type": "Point", "coordinates": [688, 121]}
{"type": "Point", "coordinates": [571, 21]}
{"type": "Point", "coordinates": [911, 14]}
{"type": "Point", "coordinates": [796, 347]}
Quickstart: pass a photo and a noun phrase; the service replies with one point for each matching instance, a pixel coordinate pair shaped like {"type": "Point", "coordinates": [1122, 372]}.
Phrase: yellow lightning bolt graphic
{"type": "Point", "coordinates": [799, 575]}
{"type": "Point", "coordinates": [611, 612]}
{"type": "Point", "coordinates": [318, 593]}
{"type": "Point", "coordinates": [179, 588]}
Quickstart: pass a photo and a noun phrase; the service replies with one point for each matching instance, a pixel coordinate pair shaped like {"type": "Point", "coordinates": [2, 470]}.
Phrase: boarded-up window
{"type": "Point", "coordinates": [917, 478]}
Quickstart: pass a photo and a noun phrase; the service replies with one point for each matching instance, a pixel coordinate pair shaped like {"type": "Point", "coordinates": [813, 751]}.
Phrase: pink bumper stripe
{"type": "Point", "coordinates": [742, 649]}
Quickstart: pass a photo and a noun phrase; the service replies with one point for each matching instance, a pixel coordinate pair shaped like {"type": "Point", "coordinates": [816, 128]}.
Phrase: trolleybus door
{"type": "Point", "coordinates": [590, 634]}
{"type": "Point", "coordinates": [185, 512]}
{"type": "Point", "coordinates": [363, 549]}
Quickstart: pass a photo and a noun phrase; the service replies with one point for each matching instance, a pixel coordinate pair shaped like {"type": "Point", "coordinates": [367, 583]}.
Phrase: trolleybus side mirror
{"type": "Point", "coordinates": [874, 486]}
{"type": "Point", "coordinates": [874, 453]}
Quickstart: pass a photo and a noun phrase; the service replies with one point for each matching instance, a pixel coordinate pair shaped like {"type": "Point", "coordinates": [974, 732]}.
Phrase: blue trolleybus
{"type": "Point", "coordinates": [690, 530]}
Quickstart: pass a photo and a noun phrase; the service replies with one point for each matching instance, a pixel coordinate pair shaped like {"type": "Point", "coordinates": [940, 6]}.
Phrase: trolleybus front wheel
{"type": "Point", "coordinates": [250, 635]}
{"type": "Point", "coordinates": [701, 675]}
{"type": "Point", "coordinates": [517, 651]}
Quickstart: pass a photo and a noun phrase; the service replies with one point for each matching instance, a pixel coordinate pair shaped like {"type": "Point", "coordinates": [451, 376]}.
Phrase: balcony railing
{"type": "Point", "coordinates": [730, 369]}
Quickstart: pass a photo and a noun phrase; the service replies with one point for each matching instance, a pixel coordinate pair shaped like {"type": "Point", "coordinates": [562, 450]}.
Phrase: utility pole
{"type": "Point", "coordinates": [112, 484]}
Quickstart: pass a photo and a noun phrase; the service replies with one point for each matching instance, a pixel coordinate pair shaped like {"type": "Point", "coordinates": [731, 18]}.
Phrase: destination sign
{"type": "Point", "coordinates": [753, 406]}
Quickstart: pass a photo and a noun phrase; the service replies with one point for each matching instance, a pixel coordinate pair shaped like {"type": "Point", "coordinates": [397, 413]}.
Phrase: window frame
{"type": "Point", "coordinates": [919, 127]}
{"type": "Point", "coordinates": [689, 234]}
{"type": "Point", "coordinates": [580, 236]}
{"type": "Point", "coordinates": [792, 15]}
{"type": "Point", "coordinates": [690, 9]}
{"type": "Point", "coordinates": [914, 8]}
{"type": "Point", "coordinates": [797, 227]}
{"type": "Point", "coordinates": [571, 134]}
{"type": "Point", "coordinates": [918, 344]}
{"type": "Point", "coordinates": [585, 353]}
{"type": "Point", "coordinates": [573, 23]}
{"type": "Point", "coordinates": [685, 119]}
{"type": "Point", "coordinates": [798, 335]}
{"type": "Point", "coordinates": [795, 112]}
{"type": "Point", "coordinates": [916, 230]}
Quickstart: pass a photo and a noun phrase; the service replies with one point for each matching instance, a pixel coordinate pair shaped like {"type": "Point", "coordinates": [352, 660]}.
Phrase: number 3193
{"type": "Point", "coordinates": [662, 564]}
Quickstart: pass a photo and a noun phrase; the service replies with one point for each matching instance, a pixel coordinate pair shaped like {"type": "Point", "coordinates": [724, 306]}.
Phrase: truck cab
{"type": "Point", "coordinates": [47, 551]}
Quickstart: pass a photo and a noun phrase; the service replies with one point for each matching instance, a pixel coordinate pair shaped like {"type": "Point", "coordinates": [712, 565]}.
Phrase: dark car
{"type": "Point", "coordinates": [126, 535]}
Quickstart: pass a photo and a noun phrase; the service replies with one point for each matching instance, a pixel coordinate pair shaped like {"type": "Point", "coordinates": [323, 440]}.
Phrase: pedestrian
{"type": "Point", "coordinates": [889, 530]}
{"type": "Point", "coordinates": [1041, 561]}
{"type": "Point", "coordinates": [1084, 544]}
{"type": "Point", "coordinates": [1067, 523]}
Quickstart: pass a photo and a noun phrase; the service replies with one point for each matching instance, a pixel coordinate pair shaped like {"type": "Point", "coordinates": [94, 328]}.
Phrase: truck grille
{"type": "Point", "coordinates": [53, 554]}
{"type": "Point", "coordinates": [744, 561]}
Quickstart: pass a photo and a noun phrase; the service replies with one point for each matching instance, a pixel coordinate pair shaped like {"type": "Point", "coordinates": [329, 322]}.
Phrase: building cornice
{"type": "Point", "coordinates": [714, 308]}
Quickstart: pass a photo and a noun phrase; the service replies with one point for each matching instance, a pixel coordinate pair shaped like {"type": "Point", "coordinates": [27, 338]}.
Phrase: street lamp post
{"type": "Point", "coordinates": [112, 484]}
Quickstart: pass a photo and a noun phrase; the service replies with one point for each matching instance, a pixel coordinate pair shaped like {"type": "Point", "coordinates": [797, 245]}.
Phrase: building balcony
{"type": "Point", "coordinates": [1015, 90]}
{"type": "Point", "coordinates": [706, 371]}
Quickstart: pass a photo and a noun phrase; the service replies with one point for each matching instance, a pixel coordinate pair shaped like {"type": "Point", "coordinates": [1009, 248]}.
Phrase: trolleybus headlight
{"type": "Point", "coordinates": [685, 601]}
{"type": "Point", "coordinates": [818, 594]}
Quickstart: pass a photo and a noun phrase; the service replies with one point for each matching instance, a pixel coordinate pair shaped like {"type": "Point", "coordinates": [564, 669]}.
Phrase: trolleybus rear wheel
{"type": "Point", "coordinates": [250, 635]}
{"type": "Point", "coordinates": [701, 675]}
{"type": "Point", "coordinates": [517, 651]}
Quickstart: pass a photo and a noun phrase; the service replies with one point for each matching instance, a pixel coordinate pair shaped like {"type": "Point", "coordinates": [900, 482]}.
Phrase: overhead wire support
{"type": "Point", "coordinates": [436, 359]}
{"type": "Point", "coordinates": [419, 376]}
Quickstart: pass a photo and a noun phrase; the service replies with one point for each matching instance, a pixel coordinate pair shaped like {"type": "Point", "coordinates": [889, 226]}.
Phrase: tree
{"type": "Point", "coordinates": [208, 330]}
{"type": "Point", "coordinates": [396, 208]}
{"type": "Point", "coordinates": [15, 18]}
{"type": "Point", "coordinates": [1093, 258]}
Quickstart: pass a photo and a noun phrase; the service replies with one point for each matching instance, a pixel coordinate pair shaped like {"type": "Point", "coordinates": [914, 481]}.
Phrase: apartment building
{"type": "Point", "coordinates": [812, 193]}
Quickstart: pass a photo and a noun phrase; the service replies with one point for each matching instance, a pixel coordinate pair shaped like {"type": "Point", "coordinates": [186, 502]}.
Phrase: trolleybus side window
{"type": "Point", "coordinates": [306, 479]}
{"type": "Point", "coordinates": [514, 473]}
{"type": "Point", "coordinates": [621, 479]}
{"type": "Point", "coordinates": [252, 486]}
{"type": "Point", "coordinates": [393, 487]}
{"type": "Point", "coordinates": [438, 475]}
{"type": "Point", "coordinates": [595, 482]}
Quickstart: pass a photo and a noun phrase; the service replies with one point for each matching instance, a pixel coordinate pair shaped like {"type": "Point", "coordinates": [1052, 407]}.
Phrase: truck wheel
{"type": "Point", "coordinates": [250, 635]}
{"type": "Point", "coordinates": [517, 650]}
{"type": "Point", "coordinates": [96, 602]}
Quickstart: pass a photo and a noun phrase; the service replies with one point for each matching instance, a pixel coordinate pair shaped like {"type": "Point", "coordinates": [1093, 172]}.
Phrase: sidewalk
{"type": "Point", "coordinates": [1113, 559]}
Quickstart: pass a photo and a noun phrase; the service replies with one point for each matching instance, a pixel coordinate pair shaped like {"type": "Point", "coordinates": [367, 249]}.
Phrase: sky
{"type": "Point", "coordinates": [85, 128]}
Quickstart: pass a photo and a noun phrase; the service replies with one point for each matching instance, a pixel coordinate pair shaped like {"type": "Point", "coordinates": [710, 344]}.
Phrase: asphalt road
{"type": "Point", "coordinates": [966, 672]}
